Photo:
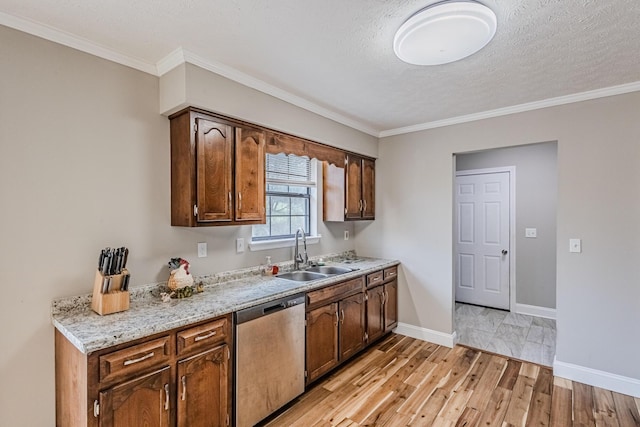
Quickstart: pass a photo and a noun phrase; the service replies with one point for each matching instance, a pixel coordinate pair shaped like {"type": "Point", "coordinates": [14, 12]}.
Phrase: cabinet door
{"type": "Point", "coordinates": [214, 145]}
{"type": "Point", "coordinates": [203, 389]}
{"type": "Point", "coordinates": [375, 313]}
{"type": "Point", "coordinates": [322, 340]}
{"type": "Point", "coordinates": [144, 401]}
{"type": "Point", "coordinates": [353, 188]}
{"type": "Point", "coordinates": [250, 178]}
{"type": "Point", "coordinates": [391, 305]}
{"type": "Point", "coordinates": [351, 325]}
{"type": "Point", "coordinates": [368, 189]}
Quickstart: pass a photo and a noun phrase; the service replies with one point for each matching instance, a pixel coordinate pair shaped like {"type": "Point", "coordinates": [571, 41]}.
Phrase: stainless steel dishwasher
{"type": "Point", "coordinates": [270, 358]}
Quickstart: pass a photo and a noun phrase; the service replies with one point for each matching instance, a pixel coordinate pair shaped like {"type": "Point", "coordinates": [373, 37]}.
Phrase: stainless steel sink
{"type": "Point", "coordinates": [301, 276]}
{"type": "Point", "coordinates": [330, 269]}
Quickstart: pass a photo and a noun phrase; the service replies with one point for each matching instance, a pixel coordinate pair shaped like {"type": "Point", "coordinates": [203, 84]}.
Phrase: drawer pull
{"type": "Point", "coordinates": [204, 337]}
{"type": "Point", "coordinates": [166, 397]}
{"type": "Point", "coordinates": [139, 359]}
{"type": "Point", "coordinates": [375, 279]}
{"type": "Point", "coordinates": [392, 273]}
{"type": "Point", "coordinates": [184, 387]}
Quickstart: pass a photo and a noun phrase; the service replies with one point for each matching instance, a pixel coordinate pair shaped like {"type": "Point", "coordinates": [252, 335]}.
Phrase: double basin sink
{"type": "Point", "coordinates": [314, 273]}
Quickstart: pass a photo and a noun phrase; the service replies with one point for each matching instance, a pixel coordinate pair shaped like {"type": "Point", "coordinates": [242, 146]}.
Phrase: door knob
{"type": "Point", "coordinates": [504, 252]}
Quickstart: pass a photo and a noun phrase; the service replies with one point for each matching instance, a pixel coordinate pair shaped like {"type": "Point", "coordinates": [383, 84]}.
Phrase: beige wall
{"type": "Point", "coordinates": [598, 181]}
{"type": "Point", "coordinates": [535, 207]}
{"type": "Point", "coordinates": [191, 85]}
{"type": "Point", "coordinates": [84, 164]}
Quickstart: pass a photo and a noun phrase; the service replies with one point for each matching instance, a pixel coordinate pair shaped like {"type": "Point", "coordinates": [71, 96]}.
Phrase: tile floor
{"type": "Point", "coordinates": [517, 335]}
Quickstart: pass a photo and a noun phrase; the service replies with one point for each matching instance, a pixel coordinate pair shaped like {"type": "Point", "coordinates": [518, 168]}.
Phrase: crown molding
{"type": "Point", "coordinates": [180, 55]}
{"type": "Point", "coordinates": [49, 33]}
{"type": "Point", "coordinates": [551, 102]}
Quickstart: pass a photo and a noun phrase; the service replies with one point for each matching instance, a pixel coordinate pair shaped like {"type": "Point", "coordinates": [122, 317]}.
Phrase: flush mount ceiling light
{"type": "Point", "coordinates": [445, 32]}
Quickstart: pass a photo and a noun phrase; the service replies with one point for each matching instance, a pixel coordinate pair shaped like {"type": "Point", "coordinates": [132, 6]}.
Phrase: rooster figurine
{"type": "Point", "coordinates": [179, 277]}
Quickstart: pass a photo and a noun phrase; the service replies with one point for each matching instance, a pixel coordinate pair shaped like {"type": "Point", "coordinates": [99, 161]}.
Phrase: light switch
{"type": "Point", "coordinates": [531, 232]}
{"type": "Point", "coordinates": [575, 245]}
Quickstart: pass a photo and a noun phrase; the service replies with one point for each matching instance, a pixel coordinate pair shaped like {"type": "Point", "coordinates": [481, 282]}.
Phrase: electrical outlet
{"type": "Point", "coordinates": [239, 245]}
{"type": "Point", "coordinates": [346, 234]}
{"type": "Point", "coordinates": [202, 250]}
{"type": "Point", "coordinates": [531, 232]}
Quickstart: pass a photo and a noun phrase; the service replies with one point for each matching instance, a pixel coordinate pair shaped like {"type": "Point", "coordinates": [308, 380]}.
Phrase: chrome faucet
{"type": "Point", "coordinates": [297, 256]}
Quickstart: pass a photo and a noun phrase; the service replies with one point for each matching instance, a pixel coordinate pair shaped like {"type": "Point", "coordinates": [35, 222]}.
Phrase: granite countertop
{"type": "Point", "coordinates": [223, 293]}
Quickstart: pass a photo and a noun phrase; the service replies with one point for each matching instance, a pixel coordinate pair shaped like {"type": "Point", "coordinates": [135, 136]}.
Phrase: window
{"type": "Point", "coordinates": [290, 181]}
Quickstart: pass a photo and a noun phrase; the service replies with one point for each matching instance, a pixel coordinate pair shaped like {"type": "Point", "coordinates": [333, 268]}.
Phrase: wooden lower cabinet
{"type": "Point", "coordinates": [322, 340]}
{"type": "Point", "coordinates": [143, 401]}
{"type": "Point", "coordinates": [382, 303]}
{"type": "Point", "coordinates": [335, 326]}
{"type": "Point", "coordinates": [352, 325]}
{"type": "Point", "coordinates": [149, 382]}
{"type": "Point", "coordinates": [375, 313]}
{"type": "Point", "coordinates": [390, 305]}
{"type": "Point", "coordinates": [203, 380]}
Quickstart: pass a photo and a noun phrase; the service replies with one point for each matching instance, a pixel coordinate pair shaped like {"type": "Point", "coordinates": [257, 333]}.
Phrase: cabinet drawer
{"type": "Point", "coordinates": [135, 359]}
{"type": "Point", "coordinates": [390, 273]}
{"type": "Point", "coordinates": [374, 278]}
{"type": "Point", "coordinates": [332, 293]}
{"type": "Point", "coordinates": [203, 335]}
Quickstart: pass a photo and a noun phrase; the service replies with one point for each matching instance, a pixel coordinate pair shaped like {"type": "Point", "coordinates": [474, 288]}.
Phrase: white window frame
{"type": "Point", "coordinates": [314, 217]}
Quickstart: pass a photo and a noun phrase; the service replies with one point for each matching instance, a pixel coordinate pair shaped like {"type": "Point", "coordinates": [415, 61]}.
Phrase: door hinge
{"type": "Point", "coordinates": [96, 408]}
{"type": "Point", "coordinates": [195, 210]}
{"type": "Point", "coordinates": [366, 296]}
{"type": "Point", "coordinates": [305, 374]}
{"type": "Point", "coordinates": [366, 336]}
{"type": "Point", "coordinates": [345, 211]}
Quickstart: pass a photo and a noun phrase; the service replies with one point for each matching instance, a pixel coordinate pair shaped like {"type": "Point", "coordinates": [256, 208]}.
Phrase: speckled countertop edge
{"type": "Point", "coordinates": [148, 315]}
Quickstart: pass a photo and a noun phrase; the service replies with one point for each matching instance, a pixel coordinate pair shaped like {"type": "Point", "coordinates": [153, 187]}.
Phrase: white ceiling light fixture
{"type": "Point", "coordinates": [445, 32]}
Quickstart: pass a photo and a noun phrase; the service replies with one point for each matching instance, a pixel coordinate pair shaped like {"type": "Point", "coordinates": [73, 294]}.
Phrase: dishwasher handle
{"type": "Point", "coordinates": [273, 308]}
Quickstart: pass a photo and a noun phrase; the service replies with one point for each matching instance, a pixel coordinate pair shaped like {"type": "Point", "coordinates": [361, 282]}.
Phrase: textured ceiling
{"type": "Point", "coordinates": [338, 54]}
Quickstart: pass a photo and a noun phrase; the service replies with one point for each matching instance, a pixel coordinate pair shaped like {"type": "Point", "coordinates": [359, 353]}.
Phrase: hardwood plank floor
{"type": "Point", "coordinates": [402, 381]}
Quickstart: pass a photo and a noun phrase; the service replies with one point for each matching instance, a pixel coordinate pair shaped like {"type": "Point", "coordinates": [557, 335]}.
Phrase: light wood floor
{"type": "Point", "coordinates": [406, 382]}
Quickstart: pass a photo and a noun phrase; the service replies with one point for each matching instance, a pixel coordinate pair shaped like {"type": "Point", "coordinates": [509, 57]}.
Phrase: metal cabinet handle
{"type": "Point", "coordinates": [96, 409]}
{"type": "Point", "coordinates": [342, 314]}
{"type": "Point", "coordinates": [204, 337]}
{"type": "Point", "coordinates": [139, 359]}
{"type": "Point", "coordinates": [166, 397]}
{"type": "Point", "coordinates": [229, 199]}
{"type": "Point", "coordinates": [360, 205]}
{"type": "Point", "coordinates": [239, 200]}
{"type": "Point", "coordinates": [365, 205]}
{"type": "Point", "coordinates": [184, 387]}
{"type": "Point", "coordinates": [337, 318]}
{"type": "Point", "coordinates": [375, 279]}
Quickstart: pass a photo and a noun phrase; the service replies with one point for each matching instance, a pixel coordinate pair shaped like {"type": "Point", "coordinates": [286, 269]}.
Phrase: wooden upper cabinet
{"type": "Point", "coordinates": [217, 171]}
{"type": "Point", "coordinates": [353, 186]}
{"type": "Point", "coordinates": [349, 192]}
{"type": "Point", "coordinates": [250, 174]}
{"type": "Point", "coordinates": [214, 145]}
{"type": "Point", "coordinates": [368, 189]}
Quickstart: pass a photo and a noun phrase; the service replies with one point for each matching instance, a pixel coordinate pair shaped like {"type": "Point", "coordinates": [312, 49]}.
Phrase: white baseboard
{"type": "Point", "coordinates": [534, 310]}
{"type": "Point", "coordinates": [593, 377]}
{"type": "Point", "coordinates": [440, 338]}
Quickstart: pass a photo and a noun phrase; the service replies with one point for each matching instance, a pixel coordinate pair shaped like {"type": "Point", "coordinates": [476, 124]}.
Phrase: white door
{"type": "Point", "coordinates": [481, 239]}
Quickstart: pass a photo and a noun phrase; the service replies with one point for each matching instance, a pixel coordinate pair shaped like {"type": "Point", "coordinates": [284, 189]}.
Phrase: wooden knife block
{"type": "Point", "coordinates": [115, 300]}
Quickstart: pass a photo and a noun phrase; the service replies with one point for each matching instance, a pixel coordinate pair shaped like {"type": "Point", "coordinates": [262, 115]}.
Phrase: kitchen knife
{"type": "Point", "coordinates": [105, 263]}
{"type": "Point", "coordinates": [125, 283]}
{"type": "Point", "coordinates": [100, 260]}
{"type": "Point", "coordinates": [126, 255]}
